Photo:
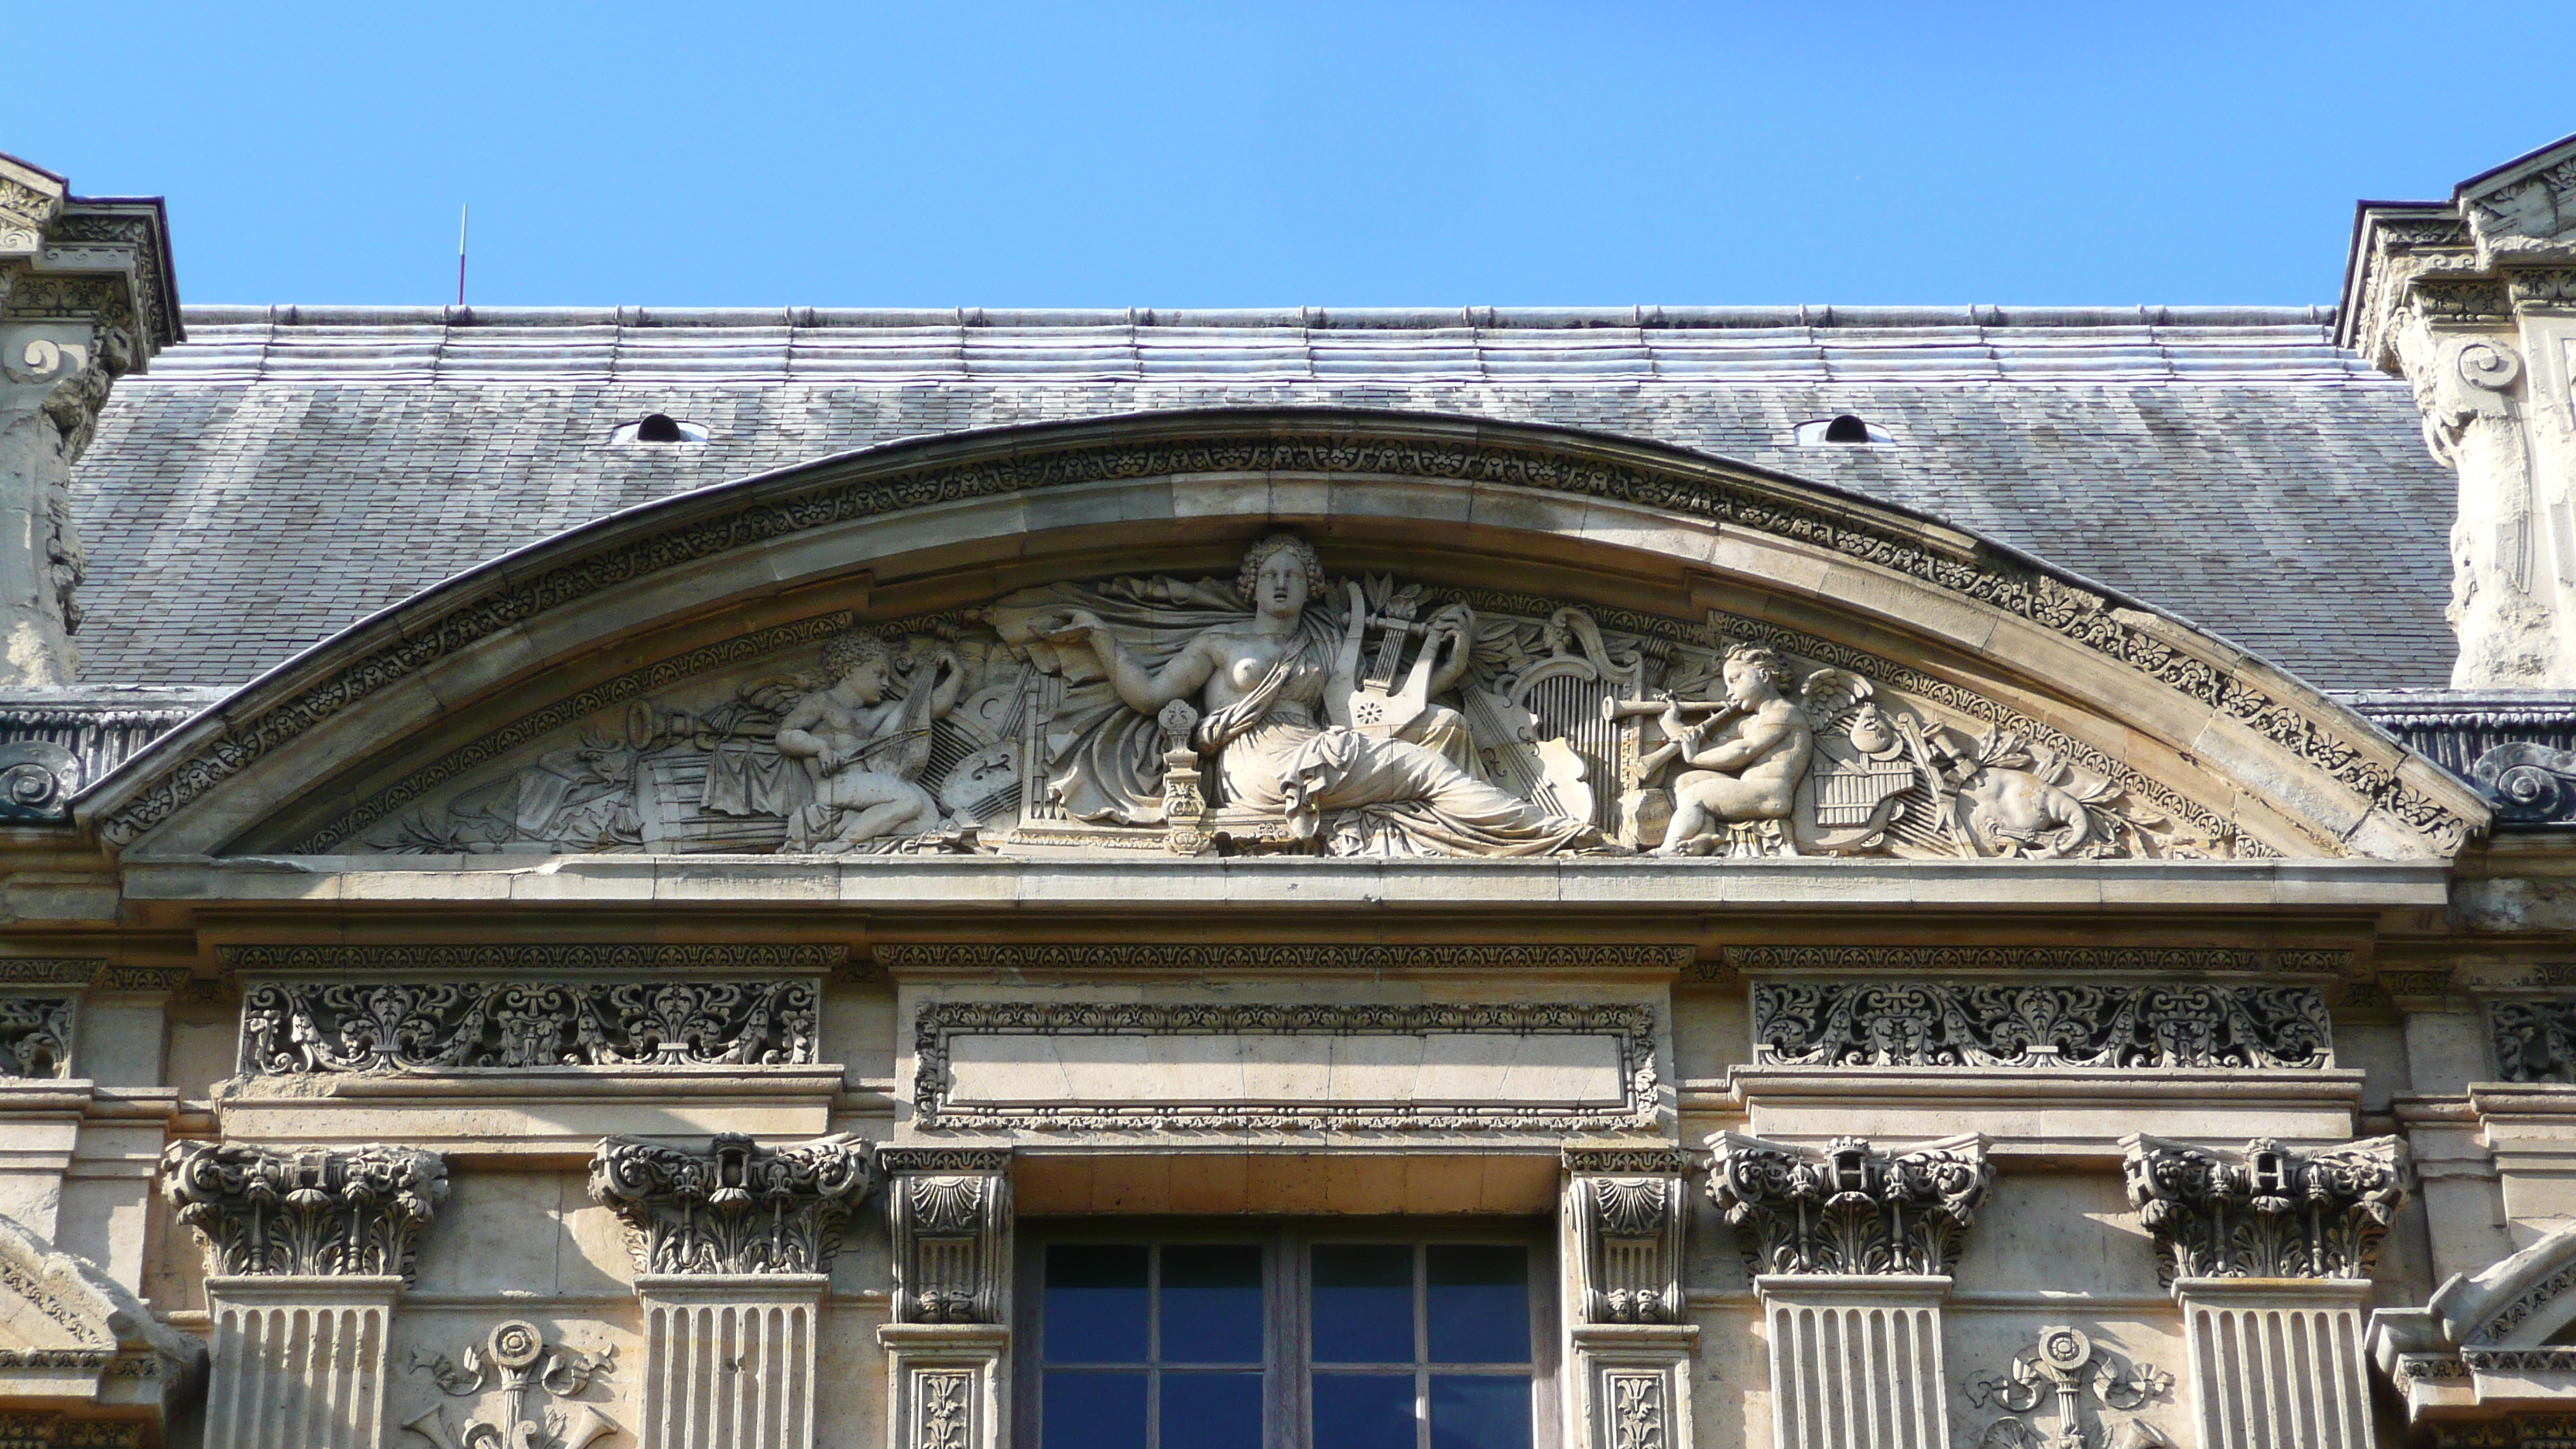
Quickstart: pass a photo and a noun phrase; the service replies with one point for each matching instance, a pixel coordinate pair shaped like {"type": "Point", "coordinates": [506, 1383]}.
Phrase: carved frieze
{"type": "Point", "coordinates": [1014, 959]}
{"type": "Point", "coordinates": [1938, 1024]}
{"type": "Point", "coordinates": [1627, 1210]}
{"type": "Point", "coordinates": [518, 1393]}
{"type": "Point", "coordinates": [736, 1207]}
{"type": "Point", "coordinates": [1849, 1208]}
{"type": "Point", "coordinates": [1415, 721]}
{"type": "Point", "coordinates": [2534, 1040]}
{"type": "Point", "coordinates": [318, 1211]}
{"type": "Point", "coordinates": [2267, 1211]}
{"type": "Point", "coordinates": [1615, 1044]}
{"type": "Point", "coordinates": [35, 1035]}
{"type": "Point", "coordinates": [311, 1027]}
{"type": "Point", "coordinates": [949, 1214]}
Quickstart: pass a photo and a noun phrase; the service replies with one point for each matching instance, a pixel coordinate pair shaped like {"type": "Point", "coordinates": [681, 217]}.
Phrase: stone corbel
{"type": "Point", "coordinates": [948, 1215]}
{"type": "Point", "coordinates": [732, 1247]}
{"type": "Point", "coordinates": [306, 1253]}
{"type": "Point", "coordinates": [2265, 1246]}
{"type": "Point", "coordinates": [1627, 1338]}
{"type": "Point", "coordinates": [1851, 1250]}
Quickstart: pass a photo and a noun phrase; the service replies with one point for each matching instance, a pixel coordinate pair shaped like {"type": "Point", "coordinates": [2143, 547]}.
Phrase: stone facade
{"type": "Point", "coordinates": [1282, 926]}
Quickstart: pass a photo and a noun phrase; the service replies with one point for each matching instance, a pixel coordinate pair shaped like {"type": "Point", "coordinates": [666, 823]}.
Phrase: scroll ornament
{"type": "Point", "coordinates": [513, 1364]}
{"type": "Point", "coordinates": [736, 1207]}
{"type": "Point", "coordinates": [948, 1213]}
{"type": "Point", "coordinates": [2070, 1367]}
{"type": "Point", "coordinates": [1849, 1208]}
{"type": "Point", "coordinates": [1629, 1237]}
{"type": "Point", "coordinates": [2535, 1041]}
{"type": "Point", "coordinates": [2269, 1211]}
{"type": "Point", "coordinates": [35, 1035]}
{"type": "Point", "coordinates": [309, 1212]}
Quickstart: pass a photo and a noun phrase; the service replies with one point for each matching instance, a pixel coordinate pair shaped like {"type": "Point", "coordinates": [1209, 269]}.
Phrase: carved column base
{"type": "Point", "coordinates": [1633, 1385]}
{"type": "Point", "coordinates": [2276, 1363]}
{"type": "Point", "coordinates": [729, 1359]}
{"type": "Point", "coordinates": [299, 1362]}
{"type": "Point", "coordinates": [1856, 1360]}
{"type": "Point", "coordinates": [944, 1384]}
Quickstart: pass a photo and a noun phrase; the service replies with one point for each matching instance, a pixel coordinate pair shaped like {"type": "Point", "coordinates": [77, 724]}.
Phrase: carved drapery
{"type": "Point", "coordinates": [949, 1213]}
{"type": "Point", "coordinates": [1848, 1208]}
{"type": "Point", "coordinates": [736, 1208]}
{"type": "Point", "coordinates": [317, 1212]}
{"type": "Point", "coordinates": [2144, 1026]}
{"type": "Point", "coordinates": [1627, 1209]}
{"type": "Point", "coordinates": [2267, 1211]}
{"type": "Point", "coordinates": [299, 1028]}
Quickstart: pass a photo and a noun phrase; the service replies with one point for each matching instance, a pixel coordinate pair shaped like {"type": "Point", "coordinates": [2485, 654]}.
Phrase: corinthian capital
{"type": "Point", "coordinates": [314, 1212]}
{"type": "Point", "coordinates": [1849, 1208]}
{"type": "Point", "coordinates": [735, 1208]}
{"type": "Point", "coordinates": [2267, 1211]}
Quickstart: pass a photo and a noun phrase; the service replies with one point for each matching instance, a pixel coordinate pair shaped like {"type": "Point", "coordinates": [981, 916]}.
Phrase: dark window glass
{"type": "Point", "coordinates": [1363, 1303]}
{"type": "Point", "coordinates": [1095, 1306]}
{"type": "Point", "coordinates": [659, 428]}
{"type": "Point", "coordinates": [1477, 1307]}
{"type": "Point", "coordinates": [1094, 1410]}
{"type": "Point", "coordinates": [1210, 1411]}
{"type": "Point", "coordinates": [1480, 1411]}
{"type": "Point", "coordinates": [1363, 1411]}
{"type": "Point", "coordinates": [1211, 1306]}
{"type": "Point", "coordinates": [1846, 429]}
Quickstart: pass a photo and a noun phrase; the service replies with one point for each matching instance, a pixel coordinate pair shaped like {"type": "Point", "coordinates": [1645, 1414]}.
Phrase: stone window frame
{"type": "Point", "coordinates": [1285, 1241]}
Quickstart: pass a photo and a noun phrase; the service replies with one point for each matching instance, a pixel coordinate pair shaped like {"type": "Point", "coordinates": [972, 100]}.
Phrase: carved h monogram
{"type": "Point", "coordinates": [736, 1207]}
{"type": "Point", "coordinates": [1849, 1208]}
{"type": "Point", "coordinates": [2268, 1211]}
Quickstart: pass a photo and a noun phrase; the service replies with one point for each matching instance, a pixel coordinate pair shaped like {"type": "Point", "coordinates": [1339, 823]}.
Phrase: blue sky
{"type": "Point", "coordinates": [1240, 154]}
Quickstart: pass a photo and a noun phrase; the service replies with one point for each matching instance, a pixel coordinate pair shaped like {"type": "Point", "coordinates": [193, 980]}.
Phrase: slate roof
{"type": "Point", "coordinates": [287, 471]}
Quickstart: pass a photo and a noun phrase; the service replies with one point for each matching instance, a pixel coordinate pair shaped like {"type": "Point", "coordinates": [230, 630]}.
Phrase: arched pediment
{"type": "Point", "coordinates": [677, 678]}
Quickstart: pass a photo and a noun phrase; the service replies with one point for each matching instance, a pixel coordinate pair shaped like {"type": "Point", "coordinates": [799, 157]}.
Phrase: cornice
{"type": "Point", "coordinates": [441, 962]}
{"type": "Point", "coordinates": [403, 643]}
{"type": "Point", "coordinates": [897, 958]}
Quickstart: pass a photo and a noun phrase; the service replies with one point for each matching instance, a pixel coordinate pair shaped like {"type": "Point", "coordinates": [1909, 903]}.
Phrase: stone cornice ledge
{"type": "Point", "coordinates": [1284, 883]}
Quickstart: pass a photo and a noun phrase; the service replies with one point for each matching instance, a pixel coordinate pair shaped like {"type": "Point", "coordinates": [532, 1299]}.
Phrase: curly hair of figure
{"type": "Point", "coordinates": [1259, 554]}
{"type": "Point", "coordinates": [846, 652]}
{"type": "Point", "coordinates": [1761, 657]}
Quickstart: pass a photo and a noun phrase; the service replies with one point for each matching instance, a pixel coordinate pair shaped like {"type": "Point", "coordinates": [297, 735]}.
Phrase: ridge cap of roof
{"type": "Point", "coordinates": [1309, 318]}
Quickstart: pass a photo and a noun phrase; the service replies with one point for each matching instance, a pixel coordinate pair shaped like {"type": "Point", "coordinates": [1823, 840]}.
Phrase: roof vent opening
{"type": "Point", "coordinates": [1841, 429]}
{"type": "Point", "coordinates": [659, 428]}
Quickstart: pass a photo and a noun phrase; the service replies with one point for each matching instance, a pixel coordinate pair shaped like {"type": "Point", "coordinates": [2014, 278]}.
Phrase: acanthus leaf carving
{"type": "Point", "coordinates": [2267, 1211]}
{"type": "Point", "coordinates": [315, 1211]}
{"type": "Point", "coordinates": [2110, 1027]}
{"type": "Point", "coordinates": [1847, 1207]}
{"type": "Point", "coordinates": [737, 1207]}
{"type": "Point", "coordinates": [36, 1035]}
{"type": "Point", "coordinates": [2534, 1040]}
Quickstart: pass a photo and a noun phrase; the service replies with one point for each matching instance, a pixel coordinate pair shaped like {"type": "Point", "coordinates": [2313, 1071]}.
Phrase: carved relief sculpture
{"type": "Point", "coordinates": [949, 1214]}
{"type": "Point", "coordinates": [308, 1028]}
{"type": "Point", "coordinates": [35, 1036]}
{"type": "Point", "coordinates": [498, 1379]}
{"type": "Point", "coordinates": [312, 1212]}
{"type": "Point", "coordinates": [2268, 1211]}
{"type": "Point", "coordinates": [1849, 1208]}
{"type": "Point", "coordinates": [1283, 710]}
{"type": "Point", "coordinates": [2534, 1041]}
{"type": "Point", "coordinates": [2069, 1367]}
{"type": "Point", "coordinates": [735, 1208]}
{"type": "Point", "coordinates": [1932, 1024]}
{"type": "Point", "coordinates": [1628, 1209]}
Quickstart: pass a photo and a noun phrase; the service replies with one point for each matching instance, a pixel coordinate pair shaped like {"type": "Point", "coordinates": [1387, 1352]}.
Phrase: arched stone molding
{"type": "Point", "coordinates": [2490, 1345]}
{"type": "Point", "coordinates": [956, 521]}
{"type": "Point", "coordinates": [74, 1339]}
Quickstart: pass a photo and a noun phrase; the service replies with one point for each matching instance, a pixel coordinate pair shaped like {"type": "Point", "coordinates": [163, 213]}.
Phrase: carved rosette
{"type": "Point", "coordinates": [949, 1213]}
{"type": "Point", "coordinates": [1627, 1209]}
{"type": "Point", "coordinates": [2267, 1211]}
{"type": "Point", "coordinates": [735, 1208]}
{"type": "Point", "coordinates": [1849, 1208]}
{"type": "Point", "coordinates": [313, 1212]}
{"type": "Point", "coordinates": [2116, 1027]}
